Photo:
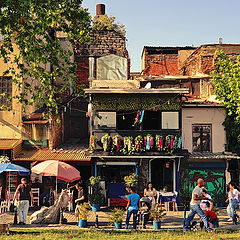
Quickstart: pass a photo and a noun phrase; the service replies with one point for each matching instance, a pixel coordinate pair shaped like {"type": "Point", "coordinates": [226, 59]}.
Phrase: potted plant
{"type": "Point", "coordinates": [95, 198]}
{"type": "Point", "coordinates": [116, 218]}
{"type": "Point", "coordinates": [131, 180]}
{"type": "Point", "coordinates": [157, 213]}
{"type": "Point", "coordinates": [82, 212]}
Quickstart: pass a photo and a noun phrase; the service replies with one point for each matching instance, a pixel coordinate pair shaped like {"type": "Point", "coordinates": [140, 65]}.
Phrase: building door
{"type": "Point", "coordinates": [162, 174]}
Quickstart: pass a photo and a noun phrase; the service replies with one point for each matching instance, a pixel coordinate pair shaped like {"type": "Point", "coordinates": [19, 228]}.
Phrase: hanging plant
{"type": "Point", "coordinates": [92, 143]}
{"type": "Point", "coordinates": [149, 142]}
{"type": "Point", "coordinates": [117, 143]}
{"type": "Point", "coordinates": [159, 142]}
{"type": "Point", "coordinates": [128, 147]}
{"type": "Point", "coordinates": [139, 144]}
{"type": "Point", "coordinates": [176, 141]}
{"type": "Point", "coordinates": [169, 143]}
{"type": "Point", "coordinates": [106, 140]}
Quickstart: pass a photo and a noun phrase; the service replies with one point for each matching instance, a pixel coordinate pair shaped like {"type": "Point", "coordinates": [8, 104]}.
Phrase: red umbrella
{"type": "Point", "coordinates": [60, 170]}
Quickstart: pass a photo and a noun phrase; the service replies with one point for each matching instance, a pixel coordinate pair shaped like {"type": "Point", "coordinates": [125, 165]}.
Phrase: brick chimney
{"type": "Point", "coordinates": [100, 9]}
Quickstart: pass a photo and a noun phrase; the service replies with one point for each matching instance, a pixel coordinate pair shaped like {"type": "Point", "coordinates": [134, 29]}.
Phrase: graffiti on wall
{"type": "Point", "coordinates": [214, 182]}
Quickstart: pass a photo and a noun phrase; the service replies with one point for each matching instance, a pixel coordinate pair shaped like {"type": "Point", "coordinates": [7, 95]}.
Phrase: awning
{"type": "Point", "coordinates": [209, 155]}
{"type": "Point", "coordinates": [136, 156]}
{"type": "Point", "coordinates": [47, 154]}
{"type": "Point", "coordinates": [35, 122]}
{"type": "Point", "coordinates": [138, 91]}
{"type": "Point", "coordinates": [6, 144]}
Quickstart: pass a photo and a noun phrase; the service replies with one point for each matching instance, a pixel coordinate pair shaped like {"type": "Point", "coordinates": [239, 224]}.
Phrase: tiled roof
{"type": "Point", "coordinates": [47, 154]}
{"type": "Point", "coordinates": [9, 143]}
{"type": "Point", "coordinates": [214, 156]}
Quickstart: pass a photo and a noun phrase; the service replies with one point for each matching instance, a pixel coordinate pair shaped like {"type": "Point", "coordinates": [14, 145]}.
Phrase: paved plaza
{"type": "Point", "coordinates": [172, 221]}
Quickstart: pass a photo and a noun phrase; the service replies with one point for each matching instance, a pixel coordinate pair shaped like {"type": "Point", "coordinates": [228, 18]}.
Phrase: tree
{"type": "Point", "coordinates": [107, 23]}
{"type": "Point", "coordinates": [32, 25]}
{"type": "Point", "coordinates": [226, 80]}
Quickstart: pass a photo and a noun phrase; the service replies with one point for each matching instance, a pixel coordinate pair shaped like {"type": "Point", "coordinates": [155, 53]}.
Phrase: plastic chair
{"type": "Point", "coordinates": [70, 201]}
{"type": "Point", "coordinates": [36, 196]}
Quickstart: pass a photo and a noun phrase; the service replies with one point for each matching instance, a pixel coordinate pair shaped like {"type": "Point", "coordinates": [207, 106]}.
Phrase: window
{"type": "Point", "coordinates": [105, 120]}
{"type": "Point", "coordinates": [170, 120]}
{"type": "Point", "coordinates": [202, 137]}
{"type": "Point", "coordinates": [152, 120]}
{"type": "Point", "coordinates": [36, 131]}
{"type": "Point", "coordinates": [125, 120]}
{"type": "Point", "coordinates": [6, 89]}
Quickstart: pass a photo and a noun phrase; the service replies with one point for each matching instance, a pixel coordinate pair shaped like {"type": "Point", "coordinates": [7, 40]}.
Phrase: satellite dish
{"type": "Point", "coordinates": [148, 85]}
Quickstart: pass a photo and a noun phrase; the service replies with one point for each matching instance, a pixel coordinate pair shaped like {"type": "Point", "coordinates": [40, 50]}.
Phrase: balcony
{"type": "Point", "coordinates": [135, 145]}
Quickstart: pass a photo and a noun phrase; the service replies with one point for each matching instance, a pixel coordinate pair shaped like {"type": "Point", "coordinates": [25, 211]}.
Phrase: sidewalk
{"type": "Point", "coordinates": [172, 221]}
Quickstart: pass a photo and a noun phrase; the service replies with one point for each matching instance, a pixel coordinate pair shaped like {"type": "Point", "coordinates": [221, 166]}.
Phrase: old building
{"type": "Point", "coordinates": [202, 116]}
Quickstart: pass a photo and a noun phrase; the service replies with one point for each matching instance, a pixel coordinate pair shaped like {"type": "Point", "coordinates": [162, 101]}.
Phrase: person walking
{"type": "Point", "coordinates": [24, 195]}
{"type": "Point", "coordinates": [197, 196]}
{"type": "Point", "coordinates": [132, 207]}
{"type": "Point", "coordinates": [233, 196]}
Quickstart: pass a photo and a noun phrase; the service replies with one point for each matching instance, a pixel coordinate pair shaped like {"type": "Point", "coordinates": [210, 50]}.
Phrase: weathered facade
{"type": "Point", "coordinates": [203, 132]}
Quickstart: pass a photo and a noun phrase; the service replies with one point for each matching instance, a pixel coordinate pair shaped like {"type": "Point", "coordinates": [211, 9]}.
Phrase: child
{"type": "Point", "coordinates": [206, 204]}
{"type": "Point", "coordinates": [132, 207]}
{"type": "Point", "coordinates": [145, 205]}
{"type": "Point", "coordinates": [212, 219]}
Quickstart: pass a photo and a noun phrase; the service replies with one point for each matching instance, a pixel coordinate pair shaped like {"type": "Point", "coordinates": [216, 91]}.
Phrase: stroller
{"type": "Point", "coordinates": [144, 211]}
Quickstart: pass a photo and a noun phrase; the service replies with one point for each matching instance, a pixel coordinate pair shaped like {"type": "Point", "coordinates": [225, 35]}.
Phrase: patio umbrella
{"type": "Point", "coordinates": [10, 167]}
{"type": "Point", "coordinates": [58, 169]}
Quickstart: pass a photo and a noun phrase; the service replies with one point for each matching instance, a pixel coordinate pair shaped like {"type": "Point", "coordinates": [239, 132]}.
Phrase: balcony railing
{"type": "Point", "coordinates": [129, 145]}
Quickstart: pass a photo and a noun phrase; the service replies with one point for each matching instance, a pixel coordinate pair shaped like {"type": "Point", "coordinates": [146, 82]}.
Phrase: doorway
{"type": "Point", "coordinates": [162, 174]}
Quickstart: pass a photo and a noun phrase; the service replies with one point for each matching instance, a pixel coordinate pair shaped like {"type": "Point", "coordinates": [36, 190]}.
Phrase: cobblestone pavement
{"type": "Point", "coordinates": [172, 221]}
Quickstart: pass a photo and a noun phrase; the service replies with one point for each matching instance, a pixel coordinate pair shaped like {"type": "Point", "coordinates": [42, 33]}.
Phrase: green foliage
{"type": "Point", "coordinates": [107, 23]}
{"type": "Point", "coordinates": [41, 61]}
{"type": "Point", "coordinates": [232, 128]}
{"type": "Point", "coordinates": [157, 213]}
{"type": "Point", "coordinates": [150, 102]}
{"type": "Point", "coordinates": [82, 211]}
{"type": "Point", "coordinates": [116, 216]}
{"type": "Point", "coordinates": [131, 180]}
{"type": "Point", "coordinates": [94, 181]}
{"type": "Point", "coordinates": [96, 197]}
{"type": "Point", "coordinates": [226, 82]}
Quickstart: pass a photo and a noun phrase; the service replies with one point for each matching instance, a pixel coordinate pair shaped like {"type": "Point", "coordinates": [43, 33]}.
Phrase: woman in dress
{"type": "Point", "coordinates": [151, 193]}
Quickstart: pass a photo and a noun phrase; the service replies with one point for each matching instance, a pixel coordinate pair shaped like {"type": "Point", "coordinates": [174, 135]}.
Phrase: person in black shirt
{"type": "Point", "coordinates": [24, 195]}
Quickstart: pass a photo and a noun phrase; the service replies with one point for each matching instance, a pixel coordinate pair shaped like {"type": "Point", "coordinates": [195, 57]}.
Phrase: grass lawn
{"type": "Point", "coordinates": [116, 235]}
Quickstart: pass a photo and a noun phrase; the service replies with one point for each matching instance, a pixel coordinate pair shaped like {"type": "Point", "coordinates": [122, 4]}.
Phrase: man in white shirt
{"type": "Point", "coordinates": [197, 197]}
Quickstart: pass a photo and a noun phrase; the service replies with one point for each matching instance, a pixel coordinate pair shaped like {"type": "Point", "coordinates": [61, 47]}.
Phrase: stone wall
{"type": "Point", "coordinates": [103, 43]}
{"type": "Point", "coordinates": [162, 64]}
{"type": "Point", "coordinates": [201, 62]}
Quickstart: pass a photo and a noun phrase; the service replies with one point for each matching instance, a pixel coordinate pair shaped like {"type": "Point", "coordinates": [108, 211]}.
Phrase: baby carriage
{"type": "Point", "coordinates": [144, 211]}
